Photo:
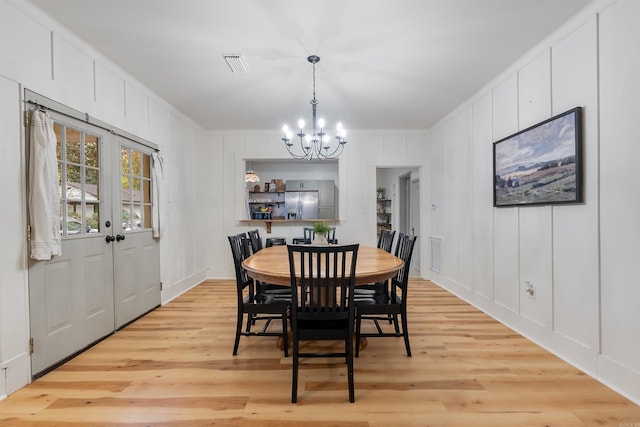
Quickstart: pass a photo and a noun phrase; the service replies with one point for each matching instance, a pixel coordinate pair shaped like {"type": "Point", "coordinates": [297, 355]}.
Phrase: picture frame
{"type": "Point", "coordinates": [540, 165]}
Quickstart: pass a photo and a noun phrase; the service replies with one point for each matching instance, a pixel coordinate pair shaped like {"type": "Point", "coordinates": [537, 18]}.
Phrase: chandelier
{"type": "Point", "coordinates": [316, 143]}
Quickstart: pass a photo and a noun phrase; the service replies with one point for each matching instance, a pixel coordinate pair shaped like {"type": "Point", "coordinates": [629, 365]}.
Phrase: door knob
{"type": "Point", "coordinates": [109, 239]}
{"type": "Point", "coordinates": [119, 237]}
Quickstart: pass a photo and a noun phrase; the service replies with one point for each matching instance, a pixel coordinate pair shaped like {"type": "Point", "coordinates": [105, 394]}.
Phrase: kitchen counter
{"type": "Point", "coordinates": [268, 222]}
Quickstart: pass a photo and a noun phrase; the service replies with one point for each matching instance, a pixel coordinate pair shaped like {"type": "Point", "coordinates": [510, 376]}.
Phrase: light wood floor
{"type": "Point", "coordinates": [174, 368]}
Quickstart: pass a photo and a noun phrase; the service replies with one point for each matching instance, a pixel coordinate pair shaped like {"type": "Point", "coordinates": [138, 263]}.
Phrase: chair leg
{"type": "Point", "coordinates": [285, 336]}
{"type": "Point", "coordinates": [349, 351]}
{"type": "Point", "coordinates": [386, 291]}
{"type": "Point", "coordinates": [238, 328]}
{"type": "Point", "coordinates": [294, 373]}
{"type": "Point", "coordinates": [358, 324]}
{"type": "Point", "coordinates": [259, 286]}
{"type": "Point", "coordinates": [250, 321]}
{"type": "Point", "coordinates": [405, 333]}
{"type": "Point", "coordinates": [395, 323]}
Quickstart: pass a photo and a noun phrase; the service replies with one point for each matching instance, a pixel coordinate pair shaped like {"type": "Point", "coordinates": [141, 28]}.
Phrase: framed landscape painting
{"type": "Point", "coordinates": [541, 165]}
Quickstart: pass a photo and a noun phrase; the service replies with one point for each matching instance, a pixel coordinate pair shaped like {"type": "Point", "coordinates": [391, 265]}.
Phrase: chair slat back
{"type": "Point", "coordinates": [276, 241]}
{"type": "Point", "coordinates": [255, 239]}
{"type": "Point", "coordinates": [385, 240]}
{"type": "Point", "coordinates": [322, 279]}
{"type": "Point", "coordinates": [331, 235]}
{"type": "Point", "coordinates": [240, 251]}
{"type": "Point", "coordinates": [309, 234]}
{"type": "Point", "coordinates": [404, 251]}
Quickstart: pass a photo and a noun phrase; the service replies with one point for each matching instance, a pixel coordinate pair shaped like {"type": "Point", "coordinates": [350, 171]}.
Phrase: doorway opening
{"type": "Point", "coordinates": [400, 206]}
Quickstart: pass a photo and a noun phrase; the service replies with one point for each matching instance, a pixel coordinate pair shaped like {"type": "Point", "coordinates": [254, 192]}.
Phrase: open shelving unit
{"type": "Point", "coordinates": [383, 217]}
{"type": "Point", "coordinates": [263, 199]}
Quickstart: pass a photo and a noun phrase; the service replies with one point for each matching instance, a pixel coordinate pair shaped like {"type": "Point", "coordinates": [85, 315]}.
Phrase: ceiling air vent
{"type": "Point", "coordinates": [236, 63]}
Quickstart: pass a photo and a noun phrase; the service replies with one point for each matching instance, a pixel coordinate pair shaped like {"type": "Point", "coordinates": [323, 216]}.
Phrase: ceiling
{"type": "Point", "coordinates": [385, 64]}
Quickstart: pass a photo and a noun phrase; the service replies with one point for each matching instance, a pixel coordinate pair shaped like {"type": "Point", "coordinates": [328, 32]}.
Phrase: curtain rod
{"type": "Point", "coordinates": [42, 102]}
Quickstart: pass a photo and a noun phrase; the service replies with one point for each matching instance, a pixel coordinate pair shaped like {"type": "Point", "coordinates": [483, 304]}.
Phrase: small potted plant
{"type": "Point", "coordinates": [321, 229]}
{"type": "Point", "coordinates": [380, 191]}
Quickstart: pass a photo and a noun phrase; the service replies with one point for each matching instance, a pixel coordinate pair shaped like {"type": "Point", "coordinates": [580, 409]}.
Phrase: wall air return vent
{"type": "Point", "coordinates": [236, 63]}
{"type": "Point", "coordinates": [435, 263]}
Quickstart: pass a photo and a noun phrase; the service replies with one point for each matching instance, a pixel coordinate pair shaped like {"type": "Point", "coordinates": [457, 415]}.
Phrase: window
{"type": "Point", "coordinates": [135, 189]}
{"type": "Point", "coordinates": [78, 154]}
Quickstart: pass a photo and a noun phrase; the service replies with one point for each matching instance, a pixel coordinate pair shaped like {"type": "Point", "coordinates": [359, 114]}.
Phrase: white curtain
{"type": "Point", "coordinates": [44, 199]}
{"type": "Point", "coordinates": [157, 169]}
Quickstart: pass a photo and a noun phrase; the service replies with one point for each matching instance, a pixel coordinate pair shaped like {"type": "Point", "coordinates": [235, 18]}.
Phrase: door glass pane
{"type": "Point", "coordinates": [92, 184]}
{"type": "Point", "coordinates": [126, 215]}
{"type": "Point", "coordinates": [147, 216]}
{"type": "Point", "coordinates": [73, 145]}
{"type": "Point", "coordinates": [146, 191]}
{"type": "Point", "coordinates": [135, 162]}
{"type": "Point", "coordinates": [93, 217]}
{"type": "Point", "coordinates": [74, 183]}
{"type": "Point", "coordinates": [92, 153]}
{"type": "Point", "coordinates": [146, 166]}
{"type": "Point", "coordinates": [74, 219]}
{"type": "Point", "coordinates": [136, 223]}
{"type": "Point", "coordinates": [124, 160]}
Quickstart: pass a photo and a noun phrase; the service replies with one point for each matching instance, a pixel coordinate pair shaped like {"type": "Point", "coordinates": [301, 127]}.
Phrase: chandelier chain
{"type": "Point", "coordinates": [314, 81]}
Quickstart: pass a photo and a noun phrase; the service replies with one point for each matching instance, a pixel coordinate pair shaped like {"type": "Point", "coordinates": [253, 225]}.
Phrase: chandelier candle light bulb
{"type": "Point", "coordinates": [318, 143]}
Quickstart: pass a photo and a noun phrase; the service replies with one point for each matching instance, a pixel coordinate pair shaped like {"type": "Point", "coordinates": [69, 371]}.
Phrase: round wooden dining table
{"type": "Point", "coordinates": [271, 265]}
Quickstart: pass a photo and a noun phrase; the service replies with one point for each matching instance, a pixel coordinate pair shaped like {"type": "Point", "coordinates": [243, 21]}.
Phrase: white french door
{"type": "Point", "coordinates": [71, 296]}
{"type": "Point", "coordinates": [136, 252]}
{"type": "Point", "coordinates": [108, 273]}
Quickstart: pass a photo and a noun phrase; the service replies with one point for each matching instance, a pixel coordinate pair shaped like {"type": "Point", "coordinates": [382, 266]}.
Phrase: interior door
{"type": "Point", "coordinates": [71, 296]}
{"type": "Point", "coordinates": [136, 252]}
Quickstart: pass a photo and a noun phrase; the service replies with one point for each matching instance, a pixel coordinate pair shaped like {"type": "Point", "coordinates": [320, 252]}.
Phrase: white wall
{"type": "Point", "coordinates": [356, 177]}
{"type": "Point", "coordinates": [38, 54]}
{"type": "Point", "coordinates": [581, 258]}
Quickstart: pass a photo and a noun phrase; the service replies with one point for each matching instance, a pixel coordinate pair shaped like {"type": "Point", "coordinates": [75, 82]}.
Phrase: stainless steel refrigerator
{"type": "Point", "coordinates": [301, 204]}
